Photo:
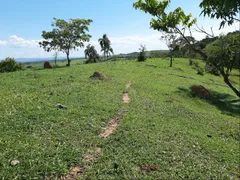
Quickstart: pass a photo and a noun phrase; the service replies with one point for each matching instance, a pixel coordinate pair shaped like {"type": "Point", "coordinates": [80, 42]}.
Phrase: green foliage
{"type": "Point", "coordinates": [142, 55]}
{"type": "Point", "coordinates": [105, 44]}
{"type": "Point", "coordinates": [224, 52]}
{"type": "Point", "coordinates": [212, 69]}
{"type": "Point", "coordinates": [10, 65]}
{"type": "Point", "coordinates": [190, 62]}
{"type": "Point", "coordinates": [226, 10]}
{"type": "Point", "coordinates": [200, 71]}
{"type": "Point", "coordinates": [165, 22]}
{"type": "Point", "coordinates": [91, 54]}
{"type": "Point", "coordinates": [66, 36]}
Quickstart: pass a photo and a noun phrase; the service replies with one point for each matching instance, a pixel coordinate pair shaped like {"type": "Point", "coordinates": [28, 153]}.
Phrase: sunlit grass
{"type": "Point", "coordinates": [190, 138]}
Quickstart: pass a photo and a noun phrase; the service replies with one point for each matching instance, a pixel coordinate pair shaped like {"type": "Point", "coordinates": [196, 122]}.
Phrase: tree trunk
{"type": "Point", "coordinates": [68, 60]}
{"type": "Point", "coordinates": [226, 80]}
{"type": "Point", "coordinates": [171, 59]}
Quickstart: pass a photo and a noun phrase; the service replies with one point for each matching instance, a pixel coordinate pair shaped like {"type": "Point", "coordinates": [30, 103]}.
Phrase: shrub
{"type": "Point", "coordinates": [142, 55]}
{"type": "Point", "coordinates": [190, 62]}
{"type": "Point", "coordinates": [195, 64]}
{"type": "Point", "coordinates": [200, 71]}
{"type": "Point", "coordinates": [212, 69]}
{"type": "Point", "coordinates": [10, 65]}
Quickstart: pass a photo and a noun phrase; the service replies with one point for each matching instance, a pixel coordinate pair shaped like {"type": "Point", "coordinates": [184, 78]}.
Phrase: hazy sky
{"type": "Point", "coordinates": [22, 21]}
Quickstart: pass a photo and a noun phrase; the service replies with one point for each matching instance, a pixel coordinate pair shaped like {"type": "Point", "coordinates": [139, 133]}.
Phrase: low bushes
{"type": "Point", "coordinates": [10, 65]}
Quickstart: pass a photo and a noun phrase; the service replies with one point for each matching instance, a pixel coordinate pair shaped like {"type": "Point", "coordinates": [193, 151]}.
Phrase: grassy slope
{"type": "Point", "coordinates": [172, 136]}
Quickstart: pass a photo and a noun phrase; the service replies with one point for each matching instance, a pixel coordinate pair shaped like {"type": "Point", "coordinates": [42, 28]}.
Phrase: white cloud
{"type": "Point", "coordinates": [3, 43]}
{"type": "Point", "coordinates": [21, 42]}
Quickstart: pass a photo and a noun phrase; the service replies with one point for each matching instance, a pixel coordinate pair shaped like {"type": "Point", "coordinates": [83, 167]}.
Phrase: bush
{"type": "Point", "coordinates": [200, 71]}
{"type": "Point", "coordinates": [190, 62]}
{"type": "Point", "coordinates": [212, 69]}
{"type": "Point", "coordinates": [10, 65]}
{"type": "Point", "coordinates": [195, 64]}
{"type": "Point", "coordinates": [142, 55]}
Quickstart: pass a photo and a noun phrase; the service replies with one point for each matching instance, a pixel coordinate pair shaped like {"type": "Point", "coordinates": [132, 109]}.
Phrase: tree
{"type": "Point", "coordinates": [226, 10]}
{"type": "Point", "coordinates": [224, 54]}
{"type": "Point", "coordinates": [66, 36]}
{"type": "Point", "coordinates": [105, 44]}
{"type": "Point", "coordinates": [142, 55]}
{"type": "Point", "coordinates": [178, 22]}
{"type": "Point", "coordinates": [170, 40]}
{"type": "Point", "coordinates": [91, 53]}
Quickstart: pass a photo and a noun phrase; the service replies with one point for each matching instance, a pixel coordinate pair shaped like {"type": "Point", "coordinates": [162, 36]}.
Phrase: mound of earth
{"type": "Point", "coordinates": [99, 75]}
{"type": "Point", "coordinates": [47, 65]}
{"type": "Point", "coordinates": [200, 91]}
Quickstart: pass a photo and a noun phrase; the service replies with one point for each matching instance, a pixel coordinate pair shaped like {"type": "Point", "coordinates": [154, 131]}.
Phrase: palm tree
{"type": "Point", "coordinates": [105, 46]}
{"type": "Point", "coordinates": [91, 53]}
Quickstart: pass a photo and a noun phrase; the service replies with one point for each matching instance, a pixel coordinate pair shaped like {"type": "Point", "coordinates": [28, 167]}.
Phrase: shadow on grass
{"type": "Point", "coordinates": [226, 103]}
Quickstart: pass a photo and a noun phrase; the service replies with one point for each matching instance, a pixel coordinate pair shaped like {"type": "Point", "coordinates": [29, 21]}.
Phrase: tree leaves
{"type": "Point", "coordinates": [164, 22]}
{"type": "Point", "coordinates": [225, 10]}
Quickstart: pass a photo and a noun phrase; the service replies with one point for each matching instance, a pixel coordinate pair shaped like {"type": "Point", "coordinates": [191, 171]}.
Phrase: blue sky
{"type": "Point", "coordinates": [21, 24]}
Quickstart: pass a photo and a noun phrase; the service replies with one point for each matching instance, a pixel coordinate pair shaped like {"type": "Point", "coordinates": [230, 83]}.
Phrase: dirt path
{"type": "Point", "coordinates": [112, 125]}
{"type": "Point", "coordinates": [88, 158]}
{"type": "Point", "coordinates": [92, 155]}
{"type": "Point", "coordinates": [128, 85]}
{"type": "Point", "coordinates": [126, 98]}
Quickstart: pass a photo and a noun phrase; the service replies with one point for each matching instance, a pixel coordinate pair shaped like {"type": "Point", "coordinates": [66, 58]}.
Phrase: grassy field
{"type": "Point", "coordinates": [186, 138]}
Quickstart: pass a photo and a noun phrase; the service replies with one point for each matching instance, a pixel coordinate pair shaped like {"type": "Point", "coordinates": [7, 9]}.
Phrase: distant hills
{"type": "Point", "coordinates": [153, 53]}
{"type": "Point", "coordinates": [36, 60]}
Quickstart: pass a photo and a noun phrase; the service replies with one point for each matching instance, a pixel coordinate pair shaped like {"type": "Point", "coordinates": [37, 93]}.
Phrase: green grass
{"type": "Point", "coordinates": [173, 136]}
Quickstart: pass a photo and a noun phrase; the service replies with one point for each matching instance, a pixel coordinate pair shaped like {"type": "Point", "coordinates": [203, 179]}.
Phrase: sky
{"type": "Point", "coordinates": [22, 23]}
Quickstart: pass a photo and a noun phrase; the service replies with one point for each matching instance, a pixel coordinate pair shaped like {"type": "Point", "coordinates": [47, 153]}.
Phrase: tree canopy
{"type": "Point", "coordinates": [226, 10]}
{"type": "Point", "coordinates": [66, 35]}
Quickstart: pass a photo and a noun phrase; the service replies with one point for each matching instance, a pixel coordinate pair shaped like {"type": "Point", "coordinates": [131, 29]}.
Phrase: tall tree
{"type": "Point", "coordinates": [105, 44]}
{"type": "Point", "coordinates": [91, 53]}
{"type": "Point", "coordinates": [178, 22]}
{"type": "Point", "coordinates": [66, 36]}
